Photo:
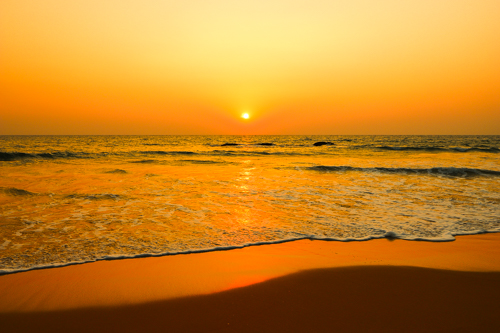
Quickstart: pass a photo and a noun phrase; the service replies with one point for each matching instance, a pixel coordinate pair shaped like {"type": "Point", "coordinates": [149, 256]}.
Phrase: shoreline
{"type": "Point", "coordinates": [96, 295]}
{"type": "Point", "coordinates": [238, 247]}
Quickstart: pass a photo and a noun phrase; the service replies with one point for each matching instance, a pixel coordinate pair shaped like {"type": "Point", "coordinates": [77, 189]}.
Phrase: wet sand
{"type": "Point", "coordinates": [302, 286]}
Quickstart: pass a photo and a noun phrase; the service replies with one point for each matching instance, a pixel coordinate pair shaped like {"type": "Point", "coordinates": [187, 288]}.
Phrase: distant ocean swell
{"type": "Point", "coordinates": [16, 156]}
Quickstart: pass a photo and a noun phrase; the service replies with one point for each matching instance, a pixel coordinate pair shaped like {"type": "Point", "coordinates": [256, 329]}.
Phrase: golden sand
{"type": "Point", "coordinates": [282, 287]}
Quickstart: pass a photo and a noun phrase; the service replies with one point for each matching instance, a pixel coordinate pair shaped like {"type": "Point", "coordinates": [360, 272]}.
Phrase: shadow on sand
{"type": "Point", "coordinates": [352, 299]}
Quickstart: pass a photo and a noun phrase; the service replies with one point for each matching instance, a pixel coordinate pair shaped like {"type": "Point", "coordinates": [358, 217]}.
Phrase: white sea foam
{"type": "Point", "coordinates": [447, 238]}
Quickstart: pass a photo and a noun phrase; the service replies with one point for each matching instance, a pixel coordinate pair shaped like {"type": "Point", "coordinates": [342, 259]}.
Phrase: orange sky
{"type": "Point", "coordinates": [296, 66]}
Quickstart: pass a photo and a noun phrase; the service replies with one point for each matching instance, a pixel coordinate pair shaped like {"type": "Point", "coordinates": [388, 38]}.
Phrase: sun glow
{"type": "Point", "coordinates": [326, 67]}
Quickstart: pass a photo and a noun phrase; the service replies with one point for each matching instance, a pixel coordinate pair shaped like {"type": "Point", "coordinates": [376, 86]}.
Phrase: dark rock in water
{"type": "Point", "coordinates": [323, 143]}
{"type": "Point", "coordinates": [265, 144]}
{"type": "Point", "coordinates": [230, 144]}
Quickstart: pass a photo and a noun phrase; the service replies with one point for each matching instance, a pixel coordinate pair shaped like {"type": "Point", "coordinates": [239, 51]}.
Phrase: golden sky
{"type": "Point", "coordinates": [295, 66]}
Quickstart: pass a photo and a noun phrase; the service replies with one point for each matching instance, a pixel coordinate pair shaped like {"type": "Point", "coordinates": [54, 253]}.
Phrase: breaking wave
{"type": "Point", "coordinates": [442, 149]}
{"type": "Point", "coordinates": [438, 171]}
{"type": "Point", "coordinates": [162, 152]}
{"type": "Point", "coordinates": [202, 162]}
{"type": "Point", "coordinates": [15, 191]}
{"type": "Point", "coordinates": [144, 161]}
{"type": "Point", "coordinates": [55, 155]}
{"type": "Point", "coordinates": [105, 196]}
{"type": "Point", "coordinates": [16, 156]}
{"type": "Point", "coordinates": [117, 171]}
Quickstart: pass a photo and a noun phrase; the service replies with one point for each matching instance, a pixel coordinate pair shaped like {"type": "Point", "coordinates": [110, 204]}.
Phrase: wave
{"type": "Point", "coordinates": [144, 161]}
{"type": "Point", "coordinates": [231, 144]}
{"type": "Point", "coordinates": [105, 196]}
{"type": "Point", "coordinates": [259, 153]}
{"type": "Point", "coordinates": [441, 149]}
{"type": "Point", "coordinates": [12, 191]}
{"type": "Point", "coordinates": [116, 171]}
{"type": "Point", "coordinates": [476, 149]}
{"type": "Point", "coordinates": [20, 156]}
{"type": "Point", "coordinates": [238, 153]}
{"type": "Point", "coordinates": [438, 171]}
{"type": "Point", "coordinates": [162, 152]}
{"type": "Point", "coordinates": [202, 161]}
{"type": "Point", "coordinates": [16, 156]}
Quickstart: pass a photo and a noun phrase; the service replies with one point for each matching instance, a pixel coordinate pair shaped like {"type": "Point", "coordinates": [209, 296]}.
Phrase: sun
{"type": "Point", "coordinates": [245, 116]}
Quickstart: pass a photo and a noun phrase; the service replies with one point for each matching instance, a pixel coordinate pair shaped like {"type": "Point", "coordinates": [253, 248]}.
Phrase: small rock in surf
{"type": "Point", "coordinates": [323, 143]}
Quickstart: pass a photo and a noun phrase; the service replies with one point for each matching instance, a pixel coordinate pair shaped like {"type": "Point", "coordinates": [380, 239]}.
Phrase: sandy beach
{"type": "Point", "coordinates": [301, 286]}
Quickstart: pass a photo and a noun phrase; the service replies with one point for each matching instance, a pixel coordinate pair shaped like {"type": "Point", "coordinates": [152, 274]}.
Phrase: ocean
{"type": "Point", "coordinates": [75, 199]}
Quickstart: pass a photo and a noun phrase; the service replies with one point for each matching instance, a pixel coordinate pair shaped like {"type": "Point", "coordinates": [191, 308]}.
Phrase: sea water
{"type": "Point", "coordinates": [70, 199]}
